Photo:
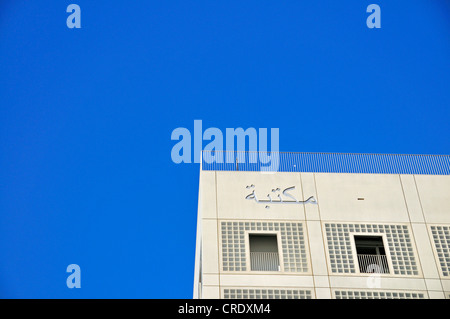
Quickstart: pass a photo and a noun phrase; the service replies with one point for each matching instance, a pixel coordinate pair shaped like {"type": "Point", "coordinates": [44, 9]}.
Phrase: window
{"type": "Point", "coordinates": [264, 252]}
{"type": "Point", "coordinates": [371, 254]}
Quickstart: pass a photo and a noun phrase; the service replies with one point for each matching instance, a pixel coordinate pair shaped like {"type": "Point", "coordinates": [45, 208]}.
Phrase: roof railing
{"type": "Point", "coordinates": [325, 162]}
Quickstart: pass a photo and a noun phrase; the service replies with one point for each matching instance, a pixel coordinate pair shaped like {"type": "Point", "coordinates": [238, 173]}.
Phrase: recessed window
{"type": "Point", "coordinates": [371, 254]}
{"type": "Point", "coordinates": [264, 252]}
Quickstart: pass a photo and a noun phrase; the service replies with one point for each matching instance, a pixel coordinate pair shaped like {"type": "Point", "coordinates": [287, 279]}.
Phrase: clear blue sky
{"type": "Point", "coordinates": [86, 117]}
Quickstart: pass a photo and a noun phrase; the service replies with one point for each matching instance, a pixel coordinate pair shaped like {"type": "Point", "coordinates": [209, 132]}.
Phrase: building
{"type": "Point", "coordinates": [324, 226]}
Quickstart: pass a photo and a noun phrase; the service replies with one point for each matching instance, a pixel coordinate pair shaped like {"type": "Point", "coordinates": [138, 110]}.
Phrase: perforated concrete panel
{"type": "Point", "coordinates": [293, 247]}
{"type": "Point", "coordinates": [441, 239]}
{"type": "Point", "coordinates": [339, 238]}
{"type": "Point", "coordinates": [361, 294]}
{"type": "Point", "coordinates": [266, 294]}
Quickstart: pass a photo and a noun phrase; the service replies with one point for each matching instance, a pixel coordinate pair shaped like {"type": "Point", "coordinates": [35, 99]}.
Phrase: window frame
{"type": "Point", "coordinates": [385, 247]}
{"type": "Point", "coordinates": [247, 234]}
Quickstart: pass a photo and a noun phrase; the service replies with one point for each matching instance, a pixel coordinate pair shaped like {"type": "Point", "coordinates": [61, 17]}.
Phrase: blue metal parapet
{"type": "Point", "coordinates": [325, 162]}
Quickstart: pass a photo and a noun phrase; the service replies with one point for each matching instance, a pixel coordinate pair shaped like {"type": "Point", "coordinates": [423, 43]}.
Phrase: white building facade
{"type": "Point", "coordinates": [325, 226]}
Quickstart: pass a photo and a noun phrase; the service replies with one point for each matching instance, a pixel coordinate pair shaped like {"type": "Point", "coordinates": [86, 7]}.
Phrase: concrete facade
{"type": "Point", "coordinates": [316, 240]}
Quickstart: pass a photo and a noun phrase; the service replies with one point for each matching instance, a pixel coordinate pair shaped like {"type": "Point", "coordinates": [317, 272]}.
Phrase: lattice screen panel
{"type": "Point", "coordinates": [294, 253]}
{"type": "Point", "coordinates": [339, 237]}
{"type": "Point", "coordinates": [266, 294]}
{"type": "Point", "coordinates": [441, 239]}
{"type": "Point", "coordinates": [360, 294]}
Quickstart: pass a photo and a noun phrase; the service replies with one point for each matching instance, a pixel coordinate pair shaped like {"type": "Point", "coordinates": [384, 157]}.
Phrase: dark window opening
{"type": "Point", "coordinates": [371, 254]}
{"type": "Point", "coordinates": [264, 252]}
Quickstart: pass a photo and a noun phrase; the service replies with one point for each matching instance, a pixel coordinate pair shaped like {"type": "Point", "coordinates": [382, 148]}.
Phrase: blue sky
{"type": "Point", "coordinates": [86, 116]}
